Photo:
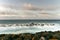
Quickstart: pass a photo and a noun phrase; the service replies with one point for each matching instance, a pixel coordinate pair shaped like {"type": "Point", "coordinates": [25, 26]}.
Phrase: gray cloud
{"type": "Point", "coordinates": [30, 12]}
{"type": "Point", "coordinates": [28, 6]}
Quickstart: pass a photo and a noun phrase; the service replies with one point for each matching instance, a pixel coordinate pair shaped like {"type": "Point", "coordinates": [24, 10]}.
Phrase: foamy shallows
{"type": "Point", "coordinates": [28, 26]}
{"type": "Point", "coordinates": [28, 29]}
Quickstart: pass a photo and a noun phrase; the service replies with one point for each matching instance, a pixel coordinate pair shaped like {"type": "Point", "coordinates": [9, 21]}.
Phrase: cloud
{"type": "Point", "coordinates": [31, 12]}
{"type": "Point", "coordinates": [29, 6]}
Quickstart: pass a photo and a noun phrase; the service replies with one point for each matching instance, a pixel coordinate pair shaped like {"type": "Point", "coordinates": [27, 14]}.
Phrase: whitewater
{"type": "Point", "coordinates": [28, 29]}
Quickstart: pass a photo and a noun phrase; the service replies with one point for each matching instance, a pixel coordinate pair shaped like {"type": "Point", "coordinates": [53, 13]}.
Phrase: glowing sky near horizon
{"type": "Point", "coordinates": [29, 9]}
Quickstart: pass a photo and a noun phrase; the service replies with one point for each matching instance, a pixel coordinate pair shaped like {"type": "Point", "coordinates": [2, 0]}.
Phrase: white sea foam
{"type": "Point", "coordinates": [28, 29]}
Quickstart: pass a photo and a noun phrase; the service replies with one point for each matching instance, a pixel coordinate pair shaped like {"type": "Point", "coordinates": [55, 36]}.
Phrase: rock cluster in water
{"type": "Point", "coordinates": [27, 24]}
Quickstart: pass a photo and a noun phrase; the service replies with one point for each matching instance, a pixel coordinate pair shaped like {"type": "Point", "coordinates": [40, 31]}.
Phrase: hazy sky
{"type": "Point", "coordinates": [29, 9]}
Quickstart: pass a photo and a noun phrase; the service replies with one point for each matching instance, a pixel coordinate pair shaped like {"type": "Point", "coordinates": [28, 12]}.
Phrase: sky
{"type": "Point", "coordinates": [29, 9]}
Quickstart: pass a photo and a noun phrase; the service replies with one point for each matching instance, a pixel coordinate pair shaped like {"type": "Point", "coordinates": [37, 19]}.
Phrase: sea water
{"type": "Point", "coordinates": [28, 29]}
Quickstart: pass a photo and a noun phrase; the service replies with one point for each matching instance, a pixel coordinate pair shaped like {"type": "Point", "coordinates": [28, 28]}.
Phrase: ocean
{"type": "Point", "coordinates": [29, 29]}
{"type": "Point", "coordinates": [28, 21]}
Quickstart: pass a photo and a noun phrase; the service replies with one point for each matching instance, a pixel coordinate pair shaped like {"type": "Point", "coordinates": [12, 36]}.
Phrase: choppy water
{"type": "Point", "coordinates": [32, 29]}
{"type": "Point", "coordinates": [27, 21]}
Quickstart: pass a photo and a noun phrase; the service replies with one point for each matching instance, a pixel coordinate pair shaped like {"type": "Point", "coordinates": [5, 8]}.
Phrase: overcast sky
{"type": "Point", "coordinates": [29, 9]}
